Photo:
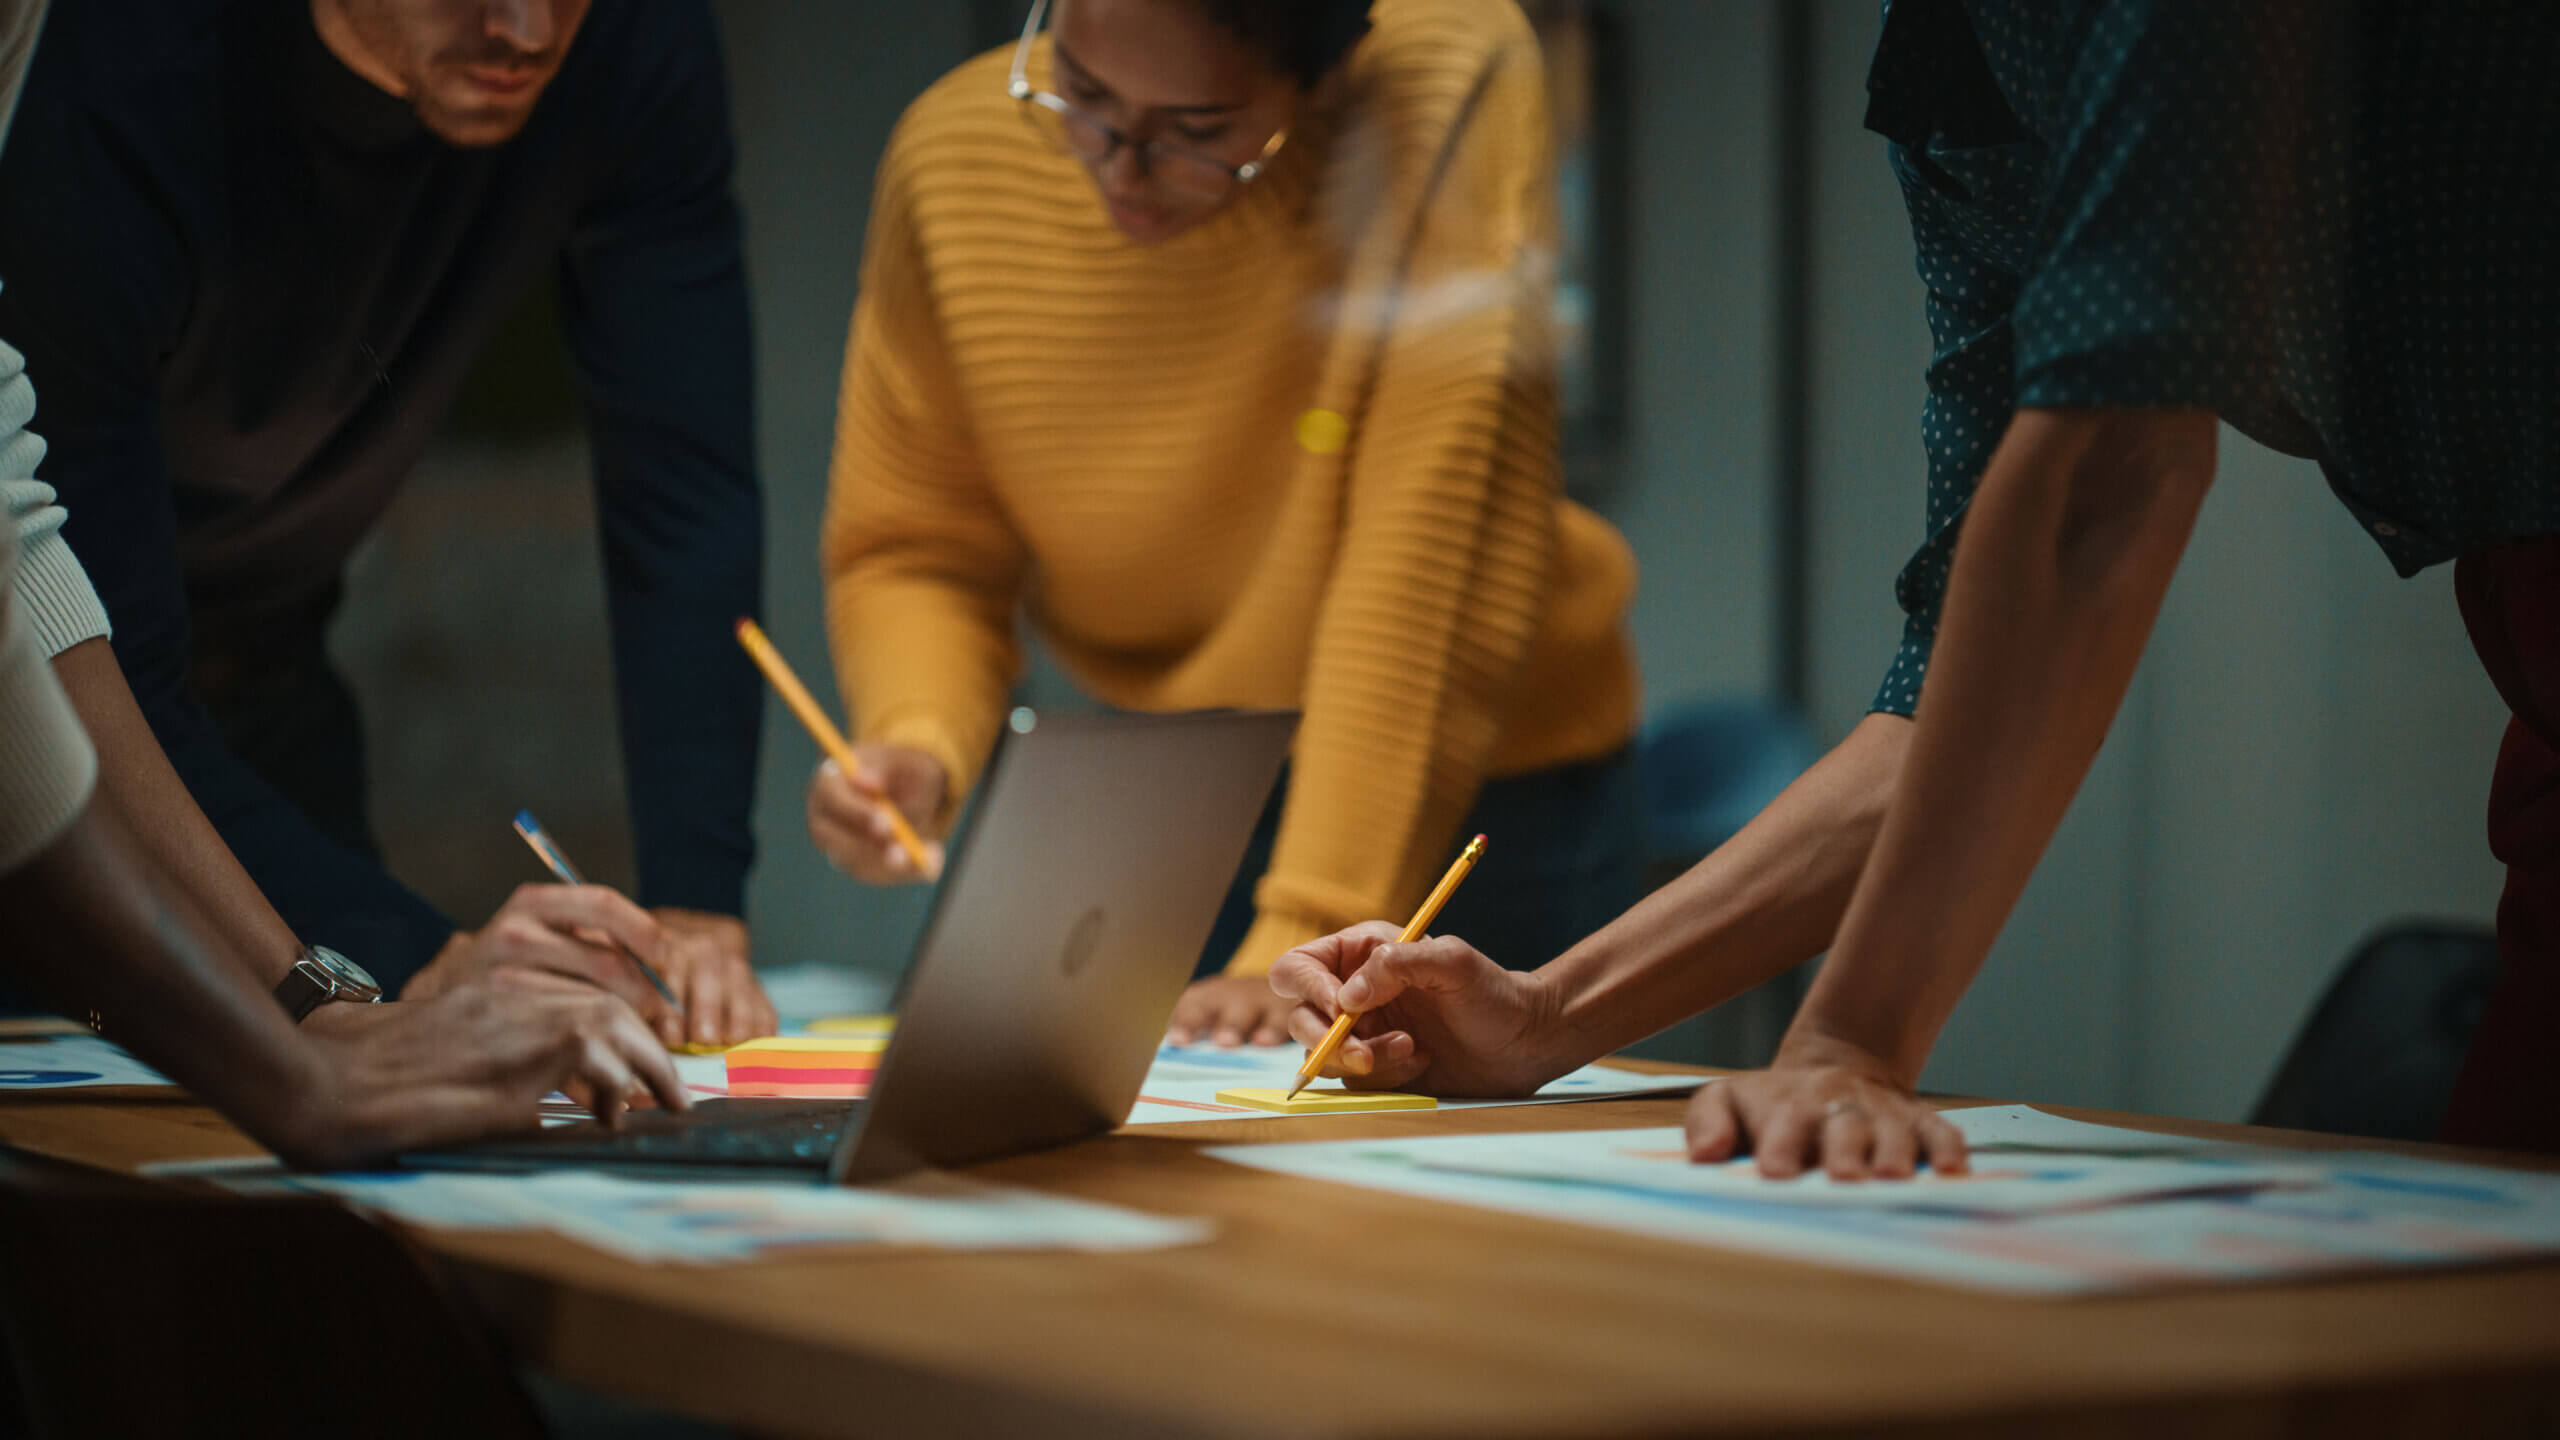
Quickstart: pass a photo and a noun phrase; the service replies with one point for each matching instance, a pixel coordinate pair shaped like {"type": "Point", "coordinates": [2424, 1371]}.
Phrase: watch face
{"type": "Point", "coordinates": [344, 970]}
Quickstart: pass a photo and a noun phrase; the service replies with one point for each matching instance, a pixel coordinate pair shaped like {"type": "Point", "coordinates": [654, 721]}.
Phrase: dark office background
{"type": "Point", "coordinates": [2304, 755]}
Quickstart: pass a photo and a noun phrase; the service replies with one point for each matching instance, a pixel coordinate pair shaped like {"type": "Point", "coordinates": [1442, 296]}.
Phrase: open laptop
{"type": "Point", "coordinates": [1068, 925]}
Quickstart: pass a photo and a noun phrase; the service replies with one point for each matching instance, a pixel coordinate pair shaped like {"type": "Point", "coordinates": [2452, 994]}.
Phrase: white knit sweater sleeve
{"type": "Point", "coordinates": [47, 766]}
{"type": "Point", "coordinates": [53, 594]}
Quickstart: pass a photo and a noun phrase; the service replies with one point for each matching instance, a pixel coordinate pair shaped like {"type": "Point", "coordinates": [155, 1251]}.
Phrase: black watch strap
{"type": "Point", "coordinates": [305, 988]}
{"type": "Point", "coordinates": [319, 976]}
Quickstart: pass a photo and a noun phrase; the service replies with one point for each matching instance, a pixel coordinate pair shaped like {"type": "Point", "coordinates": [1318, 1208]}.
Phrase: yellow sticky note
{"type": "Point", "coordinates": [853, 1025]}
{"type": "Point", "coordinates": [1327, 1102]}
{"type": "Point", "coordinates": [698, 1047]}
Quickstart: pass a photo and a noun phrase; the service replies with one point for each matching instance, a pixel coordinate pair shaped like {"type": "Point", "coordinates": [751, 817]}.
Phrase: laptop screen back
{"type": "Point", "coordinates": [1102, 849]}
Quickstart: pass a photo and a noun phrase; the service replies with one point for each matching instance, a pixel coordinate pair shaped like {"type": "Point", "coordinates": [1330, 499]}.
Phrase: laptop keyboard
{"type": "Point", "coordinates": [777, 1134]}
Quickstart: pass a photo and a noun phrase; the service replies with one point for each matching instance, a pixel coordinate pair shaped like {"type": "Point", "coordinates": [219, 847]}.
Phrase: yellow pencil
{"type": "Point", "coordinates": [823, 730]}
{"type": "Point", "coordinates": [1322, 1055]}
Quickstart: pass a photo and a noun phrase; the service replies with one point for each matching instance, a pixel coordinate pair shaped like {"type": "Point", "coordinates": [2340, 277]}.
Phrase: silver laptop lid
{"type": "Point", "coordinates": [1069, 924]}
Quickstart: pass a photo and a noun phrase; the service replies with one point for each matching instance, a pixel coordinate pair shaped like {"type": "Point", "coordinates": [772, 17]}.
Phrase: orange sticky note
{"type": "Point", "coordinates": [815, 1067]}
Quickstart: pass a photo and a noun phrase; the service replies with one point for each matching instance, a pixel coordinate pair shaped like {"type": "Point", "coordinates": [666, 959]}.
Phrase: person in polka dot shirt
{"type": "Point", "coordinates": [2330, 225]}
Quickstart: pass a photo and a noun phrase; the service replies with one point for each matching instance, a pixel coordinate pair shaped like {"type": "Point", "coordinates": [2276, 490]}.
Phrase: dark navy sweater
{"type": "Point", "coordinates": [248, 285]}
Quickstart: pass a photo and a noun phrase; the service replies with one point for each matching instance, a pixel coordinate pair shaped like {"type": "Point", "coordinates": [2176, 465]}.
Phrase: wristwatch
{"type": "Point", "coordinates": [321, 975]}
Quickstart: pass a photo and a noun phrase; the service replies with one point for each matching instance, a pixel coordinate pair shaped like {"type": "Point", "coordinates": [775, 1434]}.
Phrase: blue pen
{"type": "Point", "coordinates": [552, 856]}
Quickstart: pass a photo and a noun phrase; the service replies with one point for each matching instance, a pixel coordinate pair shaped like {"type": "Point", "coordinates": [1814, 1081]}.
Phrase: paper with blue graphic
{"type": "Point", "coordinates": [2057, 1206]}
{"type": "Point", "coordinates": [722, 1222]}
{"type": "Point", "coordinates": [62, 1062]}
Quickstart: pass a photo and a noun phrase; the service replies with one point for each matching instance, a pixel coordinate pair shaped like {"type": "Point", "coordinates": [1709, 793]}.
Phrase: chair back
{"type": "Point", "coordinates": [1709, 766]}
{"type": "Point", "coordinates": [2379, 1055]}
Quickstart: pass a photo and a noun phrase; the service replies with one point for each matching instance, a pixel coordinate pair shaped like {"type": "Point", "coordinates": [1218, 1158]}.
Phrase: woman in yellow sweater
{"type": "Point", "coordinates": [1213, 338]}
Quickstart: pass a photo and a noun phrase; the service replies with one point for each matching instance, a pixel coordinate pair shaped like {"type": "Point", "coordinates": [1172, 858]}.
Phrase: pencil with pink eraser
{"type": "Point", "coordinates": [1322, 1055]}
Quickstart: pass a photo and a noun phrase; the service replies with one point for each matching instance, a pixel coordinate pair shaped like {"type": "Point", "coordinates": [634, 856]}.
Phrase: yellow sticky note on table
{"type": "Point", "coordinates": [1327, 1102]}
{"type": "Point", "coordinates": [853, 1025]}
{"type": "Point", "coordinates": [698, 1047]}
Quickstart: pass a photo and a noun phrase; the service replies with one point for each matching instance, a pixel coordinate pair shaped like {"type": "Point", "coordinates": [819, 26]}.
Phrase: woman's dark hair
{"type": "Point", "coordinates": [1303, 38]}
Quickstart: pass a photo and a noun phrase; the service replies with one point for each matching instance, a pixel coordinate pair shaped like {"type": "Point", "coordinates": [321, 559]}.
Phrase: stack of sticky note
{"type": "Point", "coordinates": [811, 1067]}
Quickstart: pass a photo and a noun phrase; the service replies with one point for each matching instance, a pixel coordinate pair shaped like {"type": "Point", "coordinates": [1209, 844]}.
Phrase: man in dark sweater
{"type": "Point", "coordinates": [253, 246]}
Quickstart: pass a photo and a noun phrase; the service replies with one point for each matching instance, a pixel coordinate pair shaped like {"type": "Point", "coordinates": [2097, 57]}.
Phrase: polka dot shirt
{"type": "Point", "coordinates": [2335, 225]}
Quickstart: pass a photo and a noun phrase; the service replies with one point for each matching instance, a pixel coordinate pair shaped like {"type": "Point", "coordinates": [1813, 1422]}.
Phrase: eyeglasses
{"type": "Point", "coordinates": [1081, 132]}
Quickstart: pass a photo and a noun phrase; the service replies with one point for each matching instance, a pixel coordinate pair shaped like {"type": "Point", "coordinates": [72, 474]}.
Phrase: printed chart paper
{"type": "Point", "coordinates": [724, 1222]}
{"type": "Point", "coordinates": [1655, 1163]}
{"type": "Point", "coordinates": [57, 1062]}
{"type": "Point", "coordinates": [2270, 1213]}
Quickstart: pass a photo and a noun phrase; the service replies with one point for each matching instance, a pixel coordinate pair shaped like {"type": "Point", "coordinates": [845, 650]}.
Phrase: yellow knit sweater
{"type": "Point", "coordinates": [1113, 441]}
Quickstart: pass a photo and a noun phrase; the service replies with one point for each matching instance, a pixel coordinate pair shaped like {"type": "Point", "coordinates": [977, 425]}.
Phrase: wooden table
{"type": "Point", "coordinates": [1465, 1322]}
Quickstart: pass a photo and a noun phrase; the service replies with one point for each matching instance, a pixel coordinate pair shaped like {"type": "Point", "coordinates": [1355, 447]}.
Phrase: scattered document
{"type": "Point", "coordinates": [1656, 1163]}
{"type": "Point", "coordinates": [57, 1062]}
{"type": "Point", "coordinates": [1184, 1082]}
{"type": "Point", "coordinates": [2261, 1213]}
{"type": "Point", "coordinates": [678, 1222]}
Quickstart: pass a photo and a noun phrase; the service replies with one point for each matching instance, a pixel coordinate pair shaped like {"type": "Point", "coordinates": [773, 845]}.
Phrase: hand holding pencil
{"type": "Point", "coordinates": [848, 820]}
{"type": "Point", "coordinates": [1430, 1014]}
{"type": "Point", "coordinates": [1321, 1053]}
{"type": "Point", "coordinates": [861, 798]}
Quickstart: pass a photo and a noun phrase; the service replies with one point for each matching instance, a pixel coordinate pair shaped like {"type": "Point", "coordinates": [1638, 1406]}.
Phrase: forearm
{"type": "Point", "coordinates": [1413, 663]}
{"type": "Point", "coordinates": [2067, 551]}
{"type": "Point", "coordinates": [1766, 900]}
{"type": "Point", "coordinates": [238, 854]}
{"type": "Point", "coordinates": [207, 885]}
{"type": "Point", "coordinates": [94, 928]}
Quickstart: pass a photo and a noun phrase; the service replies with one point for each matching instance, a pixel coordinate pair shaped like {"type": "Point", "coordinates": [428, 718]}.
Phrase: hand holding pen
{"type": "Point", "coordinates": [720, 1008]}
{"type": "Point", "coordinates": [556, 936]}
